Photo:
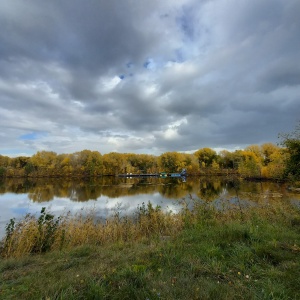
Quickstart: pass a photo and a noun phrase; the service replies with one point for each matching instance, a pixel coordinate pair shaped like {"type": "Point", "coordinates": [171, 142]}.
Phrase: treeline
{"type": "Point", "coordinates": [264, 161]}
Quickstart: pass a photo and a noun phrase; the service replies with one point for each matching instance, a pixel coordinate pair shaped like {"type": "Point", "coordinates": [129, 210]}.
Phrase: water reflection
{"type": "Point", "coordinates": [210, 189]}
{"type": "Point", "coordinates": [207, 189]}
{"type": "Point", "coordinates": [42, 190]}
{"type": "Point", "coordinates": [21, 196]}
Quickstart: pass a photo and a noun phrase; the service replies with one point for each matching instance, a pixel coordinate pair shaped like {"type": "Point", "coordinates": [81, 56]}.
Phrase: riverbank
{"type": "Point", "coordinates": [199, 254]}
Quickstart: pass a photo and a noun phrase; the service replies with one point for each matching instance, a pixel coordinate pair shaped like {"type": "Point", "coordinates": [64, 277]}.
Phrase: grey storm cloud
{"type": "Point", "coordinates": [147, 76]}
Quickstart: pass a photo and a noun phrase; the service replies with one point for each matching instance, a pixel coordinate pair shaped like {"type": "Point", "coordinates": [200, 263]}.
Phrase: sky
{"type": "Point", "coordinates": [141, 76]}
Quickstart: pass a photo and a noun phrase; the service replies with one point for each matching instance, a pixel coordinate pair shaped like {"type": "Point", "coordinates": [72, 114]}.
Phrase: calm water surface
{"type": "Point", "coordinates": [108, 194]}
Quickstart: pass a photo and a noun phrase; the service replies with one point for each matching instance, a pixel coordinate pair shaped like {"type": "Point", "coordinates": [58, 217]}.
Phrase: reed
{"type": "Point", "coordinates": [47, 233]}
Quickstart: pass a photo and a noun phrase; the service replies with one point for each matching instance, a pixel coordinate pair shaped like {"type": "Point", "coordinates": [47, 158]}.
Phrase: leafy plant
{"type": "Point", "coordinates": [10, 227]}
{"type": "Point", "coordinates": [292, 142]}
{"type": "Point", "coordinates": [47, 227]}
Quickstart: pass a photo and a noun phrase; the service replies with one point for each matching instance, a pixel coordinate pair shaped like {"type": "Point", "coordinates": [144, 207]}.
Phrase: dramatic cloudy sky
{"type": "Point", "coordinates": [147, 76]}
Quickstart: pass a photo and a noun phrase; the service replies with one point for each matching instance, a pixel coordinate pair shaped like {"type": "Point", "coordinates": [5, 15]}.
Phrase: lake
{"type": "Point", "coordinates": [106, 195]}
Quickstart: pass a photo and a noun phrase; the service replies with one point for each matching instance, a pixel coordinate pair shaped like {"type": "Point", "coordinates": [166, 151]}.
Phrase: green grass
{"type": "Point", "coordinates": [214, 256]}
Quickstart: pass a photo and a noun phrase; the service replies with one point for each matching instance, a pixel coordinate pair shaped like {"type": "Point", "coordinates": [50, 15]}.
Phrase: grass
{"type": "Point", "coordinates": [199, 254]}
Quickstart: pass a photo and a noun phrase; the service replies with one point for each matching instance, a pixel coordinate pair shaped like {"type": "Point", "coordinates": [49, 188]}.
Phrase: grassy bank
{"type": "Point", "coordinates": [198, 254]}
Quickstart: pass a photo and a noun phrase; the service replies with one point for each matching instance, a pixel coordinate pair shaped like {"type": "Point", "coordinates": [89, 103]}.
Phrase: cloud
{"type": "Point", "coordinates": [147, 77]}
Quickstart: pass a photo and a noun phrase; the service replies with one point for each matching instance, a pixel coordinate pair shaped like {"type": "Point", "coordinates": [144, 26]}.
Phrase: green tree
{"type": "Point", "coordinates": [292, 143]}
{"type": "Point", "coordinates": [2, 171]}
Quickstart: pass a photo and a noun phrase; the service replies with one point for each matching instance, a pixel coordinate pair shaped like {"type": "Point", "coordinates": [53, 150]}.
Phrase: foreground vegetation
{"type": "Point", "coordinates": [203, 253]}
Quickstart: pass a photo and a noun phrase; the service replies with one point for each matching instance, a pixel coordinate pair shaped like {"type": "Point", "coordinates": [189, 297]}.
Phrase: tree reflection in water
{"type": "Point", "coordinates": [204, 188]}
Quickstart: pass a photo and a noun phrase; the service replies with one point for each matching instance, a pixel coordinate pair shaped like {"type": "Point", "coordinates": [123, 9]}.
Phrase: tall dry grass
{"type": "Point", "coordinates": [47, 233]}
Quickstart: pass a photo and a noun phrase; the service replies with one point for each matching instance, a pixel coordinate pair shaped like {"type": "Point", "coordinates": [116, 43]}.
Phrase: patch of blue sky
{"type": "Point", "coordinates": [32, 136]}
{"type": "Point", "coordinates": [29, 136]}
{"type": "Point", "coordinates": [15, 152]}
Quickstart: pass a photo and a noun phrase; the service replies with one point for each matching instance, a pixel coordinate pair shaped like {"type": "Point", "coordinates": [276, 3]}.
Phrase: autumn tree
{"type": "Point", "coordinates": [85, 163]}
{"type": "Point", "coordinates": [44, 162]}
{"type": "Point", "coordinates": [269, 149]}
{"type": "Point", "coordinates": [256, 149]}
{"type": "Point", "coordinates": [206, 157]}
{"type": "Point", "coordinates": [141, 163]}
{"type": "Point", "coordinates": [93, 163]}
{"type": "Point", "coordinates": [171, 162]}
{"type": "Point", "coordinates": [275, 168]}
{"type": "Point", "coordinates": [249, 164]}
{"type": "Point", "coordinates": [114, 163]}
{"type": "Point", "coordinates": [190, 163]}
{"type": "Point", "coordinates": [4, 163]}
{"type": "Point", "coordinates": [64, 162]}
{"type": "Point", "coordinates": [227, 159]}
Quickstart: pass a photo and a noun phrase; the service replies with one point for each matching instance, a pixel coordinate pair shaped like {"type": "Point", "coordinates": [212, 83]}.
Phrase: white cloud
{"type": "Point", "coordinates": [108, 84]}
